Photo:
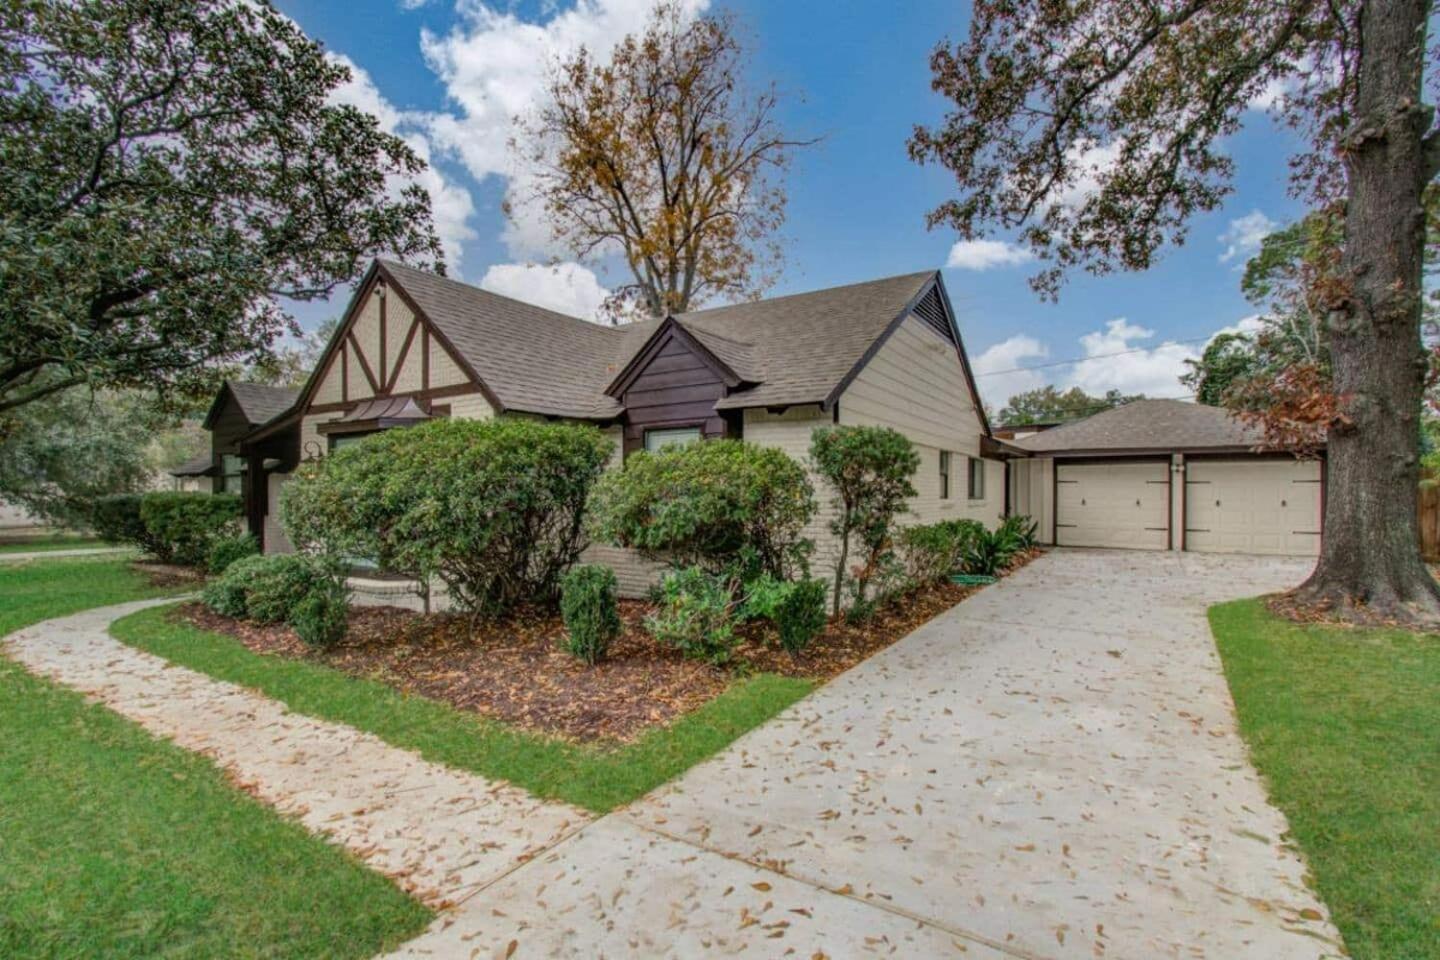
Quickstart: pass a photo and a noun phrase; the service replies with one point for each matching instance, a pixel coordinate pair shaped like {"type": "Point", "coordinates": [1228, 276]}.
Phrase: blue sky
{"type": "Point", "coordinates": [448, 75]}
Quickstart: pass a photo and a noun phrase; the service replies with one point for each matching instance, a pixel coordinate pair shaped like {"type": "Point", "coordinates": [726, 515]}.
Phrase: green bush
{"type": "Point", "coordinates": [723, 505]}
{"type": "Point", "coordinates": [591, 612]}
{"type": "Point", "coordinates": [994, 550]}
{"type": "Point", "coordinates": [319, 617]}
{"type": "Point", "coordinates": [116, 518]}
{"type": "Point", "coordinates": [226, 550]}
{"type": "Point", "coordinates": [933, 551]}
{"type": "Point", "coordinates": [186, 524]}
{"type": "Point", "coordinates": [795, 607]}
{"type": "Point", "coordinates": [227, 594]}
{"type": "Point", "coordinates": [493, 509]}
{"type": "Point", "coordinates": [869, 470]}
{"type": "Point", "coordinates": [1019, 531]}
{"type": "Point", "coordinates": [695, 615]}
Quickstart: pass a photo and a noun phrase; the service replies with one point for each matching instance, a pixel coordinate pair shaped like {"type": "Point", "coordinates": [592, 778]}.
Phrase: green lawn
{"type": "Point", "coordinates": [58, 542]}
{"type": "Point", "coordinates": [1345, 726]}
{"type": "Point", "coordinates": [115, 844]}
{"type": "Point", "coordinates": [597, 778]}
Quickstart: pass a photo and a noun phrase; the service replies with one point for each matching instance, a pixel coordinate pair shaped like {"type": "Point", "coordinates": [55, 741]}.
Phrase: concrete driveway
{"type": "Point", "coordinates": [1051, 769]}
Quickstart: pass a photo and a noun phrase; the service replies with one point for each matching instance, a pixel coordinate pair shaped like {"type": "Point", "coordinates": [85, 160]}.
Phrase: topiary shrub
{"type": "Point", "coordinates": [494, 509]}
{"type": "Point", "coordinates": [723, 505]}
{"type": "Point", "coordinates": [695, 614]}
{"type": "Point", "coordinates": [869, 470]}
{"type": "Point", "coordinates": [226, 550]}
{"type": "Point", "coordinates": [591, 612]}
{"type": "Point", "coordinates": [116, 518]}
{"type": "Point", "coordinates": [186, 524]}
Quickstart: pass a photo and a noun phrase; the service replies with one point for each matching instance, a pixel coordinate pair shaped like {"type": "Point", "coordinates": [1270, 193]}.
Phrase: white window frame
{"type": "Point", "coordinates": [975, 479]}
{"type": "Point", "coordinates": [659, 438]}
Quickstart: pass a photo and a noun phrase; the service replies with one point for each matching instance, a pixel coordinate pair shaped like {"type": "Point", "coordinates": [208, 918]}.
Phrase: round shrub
{"type": "Point", "coordinates": [492, 508]}
{"type": "Point", "coordinates": [226, 550]}
{"type": "Point", "coordinates": [933, 551]}
{"type": "Point", "coordinates": [695, 614]}
{"type": "Point", "coordinates": [319, 618]}
{"type": "Point", "coordinates": [227, 594]}
{"type": "Point", "coordinates": [591, 612]}
{"type": "Point", "coordinates": [116, 519]}
{"type": "Point", "coordinates": [184, 525]}
{"type": "Point", "coordinates": [722, 505]}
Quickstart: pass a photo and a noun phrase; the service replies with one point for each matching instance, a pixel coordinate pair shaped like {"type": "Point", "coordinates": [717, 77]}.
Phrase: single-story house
{"type": "Point", "coordinates": [1166, 475]}
{"type": "Point", "coordinates": [413, 345]}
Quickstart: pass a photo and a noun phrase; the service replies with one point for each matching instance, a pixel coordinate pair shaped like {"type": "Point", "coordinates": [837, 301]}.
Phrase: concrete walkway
{"type": "Point", "coordinates": [441, 834]}
{"type": "Point", "coordinates": [1051, 769]}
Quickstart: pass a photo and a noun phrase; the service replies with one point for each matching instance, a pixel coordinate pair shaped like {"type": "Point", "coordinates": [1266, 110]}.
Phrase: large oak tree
{"type": "Point", "coordinates": [658, 154]}
{"type": "Point", "coordinates": [168, 168]}
{"type": "Point", "coordinates": [1096, 128]}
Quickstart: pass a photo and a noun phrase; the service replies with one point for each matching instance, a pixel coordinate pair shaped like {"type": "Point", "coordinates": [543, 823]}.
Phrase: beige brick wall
{"type": "Point", "coordinates": [790, 431]}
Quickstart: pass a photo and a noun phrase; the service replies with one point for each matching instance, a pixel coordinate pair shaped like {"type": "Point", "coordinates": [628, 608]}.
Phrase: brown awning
{"type": "Point", "coordinates": [381, 414]}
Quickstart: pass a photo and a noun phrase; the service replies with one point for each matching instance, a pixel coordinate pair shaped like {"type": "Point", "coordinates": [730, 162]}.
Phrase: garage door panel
{"type": "Point", "coordinates": [1253, 506]}
{"type": "Point", "coordinates": [1113, 505]}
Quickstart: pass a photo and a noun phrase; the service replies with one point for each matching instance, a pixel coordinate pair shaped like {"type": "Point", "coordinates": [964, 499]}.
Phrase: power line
{"type": "Point", "coordinates": [1098, 356]}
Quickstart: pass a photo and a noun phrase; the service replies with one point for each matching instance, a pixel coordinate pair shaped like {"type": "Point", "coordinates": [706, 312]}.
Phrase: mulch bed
{"type": "Point", "coordinates": [518, 671]}
{"type": "Point", "coordinates": [168, 574]}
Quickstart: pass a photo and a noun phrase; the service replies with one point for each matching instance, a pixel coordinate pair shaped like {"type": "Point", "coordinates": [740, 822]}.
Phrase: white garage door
{"type": "Point", "coordinates": [1252, 506]}
{"type": "Point", "coordinates": [1113, 505]}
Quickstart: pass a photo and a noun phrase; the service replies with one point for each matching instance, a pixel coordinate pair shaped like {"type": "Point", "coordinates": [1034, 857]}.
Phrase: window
{"type": "Point", "coordinates": [977, 479]}
{"type": "Point", "coordinates": [232, 474]}
{"type": "Point", "coordinates": [671, 437]}
{"type": "Point", "coordinates": [944, 474]}
{"type": "Point", "coordinates": [346, 439]}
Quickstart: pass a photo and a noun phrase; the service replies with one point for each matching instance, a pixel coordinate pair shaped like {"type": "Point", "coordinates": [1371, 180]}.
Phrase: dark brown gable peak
{"type": "Point", "coordinates": [671, 330]}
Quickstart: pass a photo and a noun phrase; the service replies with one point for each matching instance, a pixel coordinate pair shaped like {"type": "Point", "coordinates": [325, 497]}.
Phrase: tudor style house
{"type": "Point", "coordinates": [413, 345]}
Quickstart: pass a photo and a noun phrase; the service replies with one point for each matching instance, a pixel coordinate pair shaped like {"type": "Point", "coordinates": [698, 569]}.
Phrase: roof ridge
{"type": "Point", "coordinates": [917, 274]}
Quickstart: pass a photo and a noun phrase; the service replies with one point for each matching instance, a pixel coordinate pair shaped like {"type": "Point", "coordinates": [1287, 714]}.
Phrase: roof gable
{"type": "Point", "coordinates": [699, 346]}
{"type": "Point", "coordinates": [257, 402]}
{"type": "Point", "coordinates": [1150, 425]}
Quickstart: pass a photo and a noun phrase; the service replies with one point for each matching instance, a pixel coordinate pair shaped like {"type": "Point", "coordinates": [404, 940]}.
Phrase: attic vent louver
{"type": "Point", "coordinates": [932, 311]}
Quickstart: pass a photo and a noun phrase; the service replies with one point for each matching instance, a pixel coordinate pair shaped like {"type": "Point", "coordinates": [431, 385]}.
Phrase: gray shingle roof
{"type": "Point", "coordinates": [796, 348]}
{"type": "Point", "coordinates": [261, 402]}
{"type": "Point", "coordinates": [199, 466]}
{"type": "Point", "coordinates": [1146, 425]}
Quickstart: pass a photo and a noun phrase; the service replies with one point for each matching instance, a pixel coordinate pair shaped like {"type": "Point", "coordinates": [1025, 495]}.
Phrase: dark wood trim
{"type": "Point", "coordinates": [384, 338]}
{"type": "Point", "coordinates": [345, 374]}
{"type": "Point", "coordinates": [364, 364]}
{"type": "Point", "coordinates": [455, 390]}
{"type": "Point", "coordinates": [1170, 505]}
{"type": "Point", "coordinates": [1184, 502]}
{"type": "Point", "coordinates": [373, 425]}
{"type": "Point", "coordinates": [1055, 503]}
{"type": "Point", "coordinates": [424, 357]}
{"type": "Point", "coordinates": [403, 356]}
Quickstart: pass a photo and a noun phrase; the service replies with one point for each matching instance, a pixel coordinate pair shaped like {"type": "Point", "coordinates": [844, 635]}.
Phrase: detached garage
{"type": "Point", "coordinates": [1165, 475]}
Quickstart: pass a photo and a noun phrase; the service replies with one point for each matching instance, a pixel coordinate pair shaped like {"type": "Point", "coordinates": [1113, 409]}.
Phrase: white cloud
{"type": "Point", "coordinates": [494, 65]}
{"type": "Point", "coordinates": [1242, 238]}
{"type": "Point", "coordinates": [1115, 360]}
{"type": "Point", "coordinates": [985, 254]}
{"type": "Point", "coordinates": [412, 4]}
{"type": "Point", "coordinates": [451, 204]}
{"type": "Point", "coordinates": [1088, 162]}
{"type": "Point", "coordinates": [997, 369]}
{"type": "Point", "coordinates": [568, 288]}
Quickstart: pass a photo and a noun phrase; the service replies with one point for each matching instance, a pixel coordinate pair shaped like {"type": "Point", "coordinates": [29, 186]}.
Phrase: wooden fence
{"type": "Point", "coordinates": [1430, 519]}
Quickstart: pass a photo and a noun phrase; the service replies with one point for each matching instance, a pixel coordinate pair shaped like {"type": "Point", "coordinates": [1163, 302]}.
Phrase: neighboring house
{"type": "Point", "coordinates": [1020, 430]}
{"type": "Point", "coordinates": [413, 345]}
{"type": "Point", "coordinates": [238, 409]}
{"type": "Point", "coordinates": [1166, 475]}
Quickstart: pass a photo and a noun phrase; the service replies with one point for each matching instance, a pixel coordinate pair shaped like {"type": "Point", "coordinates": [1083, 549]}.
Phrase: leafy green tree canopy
{"type": "Point", "coordinates": [1228, 358]}
{"type": "Point", "coordinates": [168, 168]}
{"type": "Point", "coordinates": [1048, 405]}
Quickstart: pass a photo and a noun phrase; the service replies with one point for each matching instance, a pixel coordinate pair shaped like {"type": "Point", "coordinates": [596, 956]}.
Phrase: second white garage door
{"type": "Point", "coordinates": [1124, 504]}
{"type": "Point", "coordinates": [1253, 506]}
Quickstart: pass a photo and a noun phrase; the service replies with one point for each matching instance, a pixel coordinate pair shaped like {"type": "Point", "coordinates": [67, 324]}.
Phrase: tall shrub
{"type": "Point", "coordinates": [116, 519]}
{"type": "Point", "coordinates": [590, 609]}
{"type": "Point", "coordinates": [184, 525]}
{"type": "Point", "coordinates": [722, 505]}
{"type": "Point", "coordinates": [493, 509]}
{"type": "Point", "coordinates": [869, 470]}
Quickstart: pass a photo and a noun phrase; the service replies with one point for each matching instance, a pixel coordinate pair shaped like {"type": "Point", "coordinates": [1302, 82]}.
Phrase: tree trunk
{"type": "Point", "coordinates": [1370, 566]}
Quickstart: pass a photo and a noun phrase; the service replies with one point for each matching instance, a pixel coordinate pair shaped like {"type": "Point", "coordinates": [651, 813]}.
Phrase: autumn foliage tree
{"type": "Point", "coordinates": [1096, 130]}
{"type": "Point", "coordinates": [658, 155]}
{"type": "Point", "coordinates": [168, 169]}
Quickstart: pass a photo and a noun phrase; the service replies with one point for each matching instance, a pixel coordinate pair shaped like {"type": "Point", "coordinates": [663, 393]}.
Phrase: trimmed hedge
{"type": "Point", "coordinates": [186, 524]}
{"type": "Point", "coordinates": [493, 508]}
{"type": "Point", "coordinates": [226, 550]}
{"type": "Point", "coordinates": [725, 506]}
{"type": "Point", "coordinates": [116, 518]}
{"type": "Point", "coordinates": [304, 592]}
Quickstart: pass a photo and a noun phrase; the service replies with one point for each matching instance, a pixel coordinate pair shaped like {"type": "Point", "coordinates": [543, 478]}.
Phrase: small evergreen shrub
{"type": "Point", "coordinates": [226, 550]}
{"type": "Point", "coordinates": [695, 615]}
{"type": "Point", "coordinates": [591, 612]}
{"type": "Point", "coordinates": [186, 524]}
{"type": "Point", "coordinates": [800, 614]}
{"type": "Point", "coordinates": [227, 594]}
{"type": "Point", "coordinates": [932, 551]}
{"type": "Point", "coordinates": [116, 519]}
{"type": "Point", "coordinates": [319, 617]}
{"type": "Point", "coordinates": [275, 588]}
